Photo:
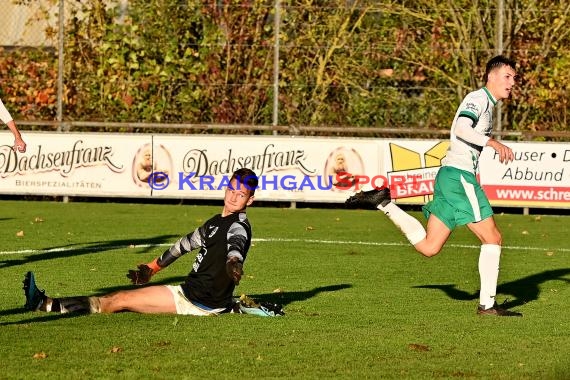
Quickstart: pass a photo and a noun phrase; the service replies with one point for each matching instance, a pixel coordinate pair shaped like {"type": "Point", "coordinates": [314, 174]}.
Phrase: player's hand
{"type": "Point", "coordinates": [19, 146]}
{"type": "Point", "coordinates": [234, 269]}
{"type": "Point", "coordinates": [505, 153]}
{"type": "Point", "coordinates": [140, 276]}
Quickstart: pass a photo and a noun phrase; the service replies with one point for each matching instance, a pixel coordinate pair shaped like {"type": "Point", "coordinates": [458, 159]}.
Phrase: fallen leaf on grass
{"type": "Point", "coordinates": [38, 219]}
{"type": "Point", "coordinates": [40, 355]}
{"type": "Point", "coordinates": [248, 301]}
{"type": "Point", "coordinates": [309, 228]}
{"type": "Point", "coordinates": [418, 347]}
{"type": "Point", "coordinates": [116, 349]}
{"type": "Point", "coordinates": [20, 233]}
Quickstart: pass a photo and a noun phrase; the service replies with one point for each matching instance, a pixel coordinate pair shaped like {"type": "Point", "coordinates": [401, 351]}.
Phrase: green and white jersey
{"type": "Point", "coordinates": [477, 106]}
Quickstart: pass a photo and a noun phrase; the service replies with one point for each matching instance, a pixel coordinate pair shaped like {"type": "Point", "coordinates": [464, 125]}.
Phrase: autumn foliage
{"type": "Point", "coordinates": [363, 63]}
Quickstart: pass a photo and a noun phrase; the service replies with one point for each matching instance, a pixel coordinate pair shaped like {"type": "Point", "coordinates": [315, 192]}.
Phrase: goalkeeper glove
{"type": "Point", "coordinates": [234, 268]}
{"type": "Point", "coordinates": [144, 272]}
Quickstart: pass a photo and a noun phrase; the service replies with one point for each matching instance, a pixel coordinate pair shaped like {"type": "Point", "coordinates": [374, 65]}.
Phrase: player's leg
{"type": "Point", "coordinates": [440, 214]}
{"type": "Point", "coordinates": [149, 299]}
{"type": "Point", "coordinates": [482, 224]}
{"type": "Point", "coordinates": [436, 235]}
{"type": "Point", "coordinates": [79, 304]}
{"type": "Point", "coordinates": [379, 199]}
{"type": "Point", "coordinates": [489, 260]}
{"type": "Point", "coordinates": [428, 241]}
{"type": "Point", "coordinates": [486, 231]}
{"type": "Point", "coordinates": [37, 300]}
{"type": "Point", "coordinates": [152, 299]}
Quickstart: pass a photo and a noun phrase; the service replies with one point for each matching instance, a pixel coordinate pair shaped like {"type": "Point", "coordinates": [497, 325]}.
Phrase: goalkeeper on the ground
{"type": "Point", "coordinates": [223, 242]}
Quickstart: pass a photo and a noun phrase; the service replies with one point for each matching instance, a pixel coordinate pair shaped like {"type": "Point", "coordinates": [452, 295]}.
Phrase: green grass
{"type": "Point", "coordinates": [369, 309]}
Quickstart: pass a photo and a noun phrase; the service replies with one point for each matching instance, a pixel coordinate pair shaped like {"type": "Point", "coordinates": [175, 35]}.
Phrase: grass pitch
{"type": "Point", "coordinates": [360, 302]}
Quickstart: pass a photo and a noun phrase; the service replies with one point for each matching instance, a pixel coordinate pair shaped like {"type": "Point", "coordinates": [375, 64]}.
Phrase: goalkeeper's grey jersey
{"type": "Point", "coordinates": [220, 237]}
{"type": "Point", "coordinates": [478, 106]}
{"type": "Point", "coordinates": [209, 283]}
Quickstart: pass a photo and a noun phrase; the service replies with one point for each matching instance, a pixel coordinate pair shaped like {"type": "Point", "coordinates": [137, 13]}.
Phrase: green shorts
{"type": "Point", "coordinates": [458, 199]}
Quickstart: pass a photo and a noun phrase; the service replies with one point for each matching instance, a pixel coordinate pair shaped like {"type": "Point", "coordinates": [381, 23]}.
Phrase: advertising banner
{"type": "Point", "coordinates": [73, 164]}
{"type": "Point", "coordinates": [304, 169]}
{"type": "Point", "coordinates": [538, 177]}
{"type": "Point", "coordinates": [411, 167]}
{"type": "Point", "coordinates": [289, 168]}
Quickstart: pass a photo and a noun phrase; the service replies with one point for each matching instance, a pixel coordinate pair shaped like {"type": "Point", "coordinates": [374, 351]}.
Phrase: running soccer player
{"type": "Point", "coordinates": [223, 240]}
{"type": "Point", "coordinates": [458, 198]}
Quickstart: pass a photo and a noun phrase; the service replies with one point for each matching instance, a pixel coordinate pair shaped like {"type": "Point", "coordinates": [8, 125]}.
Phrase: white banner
{"type": "Point", "coordinates": [74, 164]}
{"type": "Point", "coordinates": [289, 168]}
{"type": "Point", "coordinates": [306, 169]}
{"type": "Point", "coordinates": [539, 176]}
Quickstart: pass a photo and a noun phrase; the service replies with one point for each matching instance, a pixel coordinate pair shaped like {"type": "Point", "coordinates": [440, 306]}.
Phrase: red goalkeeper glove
{"type": "Point", "coordinates": [144, 272]}
{"type": "Point", "coordinates": [234, 269]}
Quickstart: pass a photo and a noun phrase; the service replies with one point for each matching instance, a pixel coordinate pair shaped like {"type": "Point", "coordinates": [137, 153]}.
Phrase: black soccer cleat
{"type": "Point", "coordinates": [275, 308]}
{"type": "Point", "coordinates": [34, 296]}
{"type": "Point", "coordinates": [498, 311]}
{"type": "Point", "coordinates": [369, 200]}
{"type": "Point", "coordinates": [247, 305]}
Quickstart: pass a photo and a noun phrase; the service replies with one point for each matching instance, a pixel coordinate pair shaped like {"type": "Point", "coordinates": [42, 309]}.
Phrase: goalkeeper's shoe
{"type": "Point", "coordinates": [369, 200]}
{"type": "Point", "coordinates": [247, 305]}
{"type": "Point", "coordinates": [265, 309]}
{"type": "Point", "coordinates": [498, 311]}
{"type": "Point", "coordinates": [273, 309]}
{"type": "Point", "coordinates": [34, 296]}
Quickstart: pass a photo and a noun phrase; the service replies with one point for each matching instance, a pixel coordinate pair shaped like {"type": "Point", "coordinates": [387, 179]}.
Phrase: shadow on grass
{"type": "Point", "coordinates": [38, 317]}
{"type": "Point", "coordinates": [524, 290]}
{"type": "Point", "coordinates": [88, 248]}
{"type": "Point", "coordinates": [285, 298]}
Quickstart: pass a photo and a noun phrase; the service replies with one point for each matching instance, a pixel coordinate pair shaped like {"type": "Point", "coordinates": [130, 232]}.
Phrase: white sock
{"type": "Point", "coordinates": [489, 273]}
{"type": "Point", "coordinates": [410, 226]}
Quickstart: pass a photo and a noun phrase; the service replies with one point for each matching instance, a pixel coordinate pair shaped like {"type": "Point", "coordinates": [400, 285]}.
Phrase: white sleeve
{"type": "Point", "coordinates": [464, 130]}
{"type": "Point", "coordinates": [4, 114]}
